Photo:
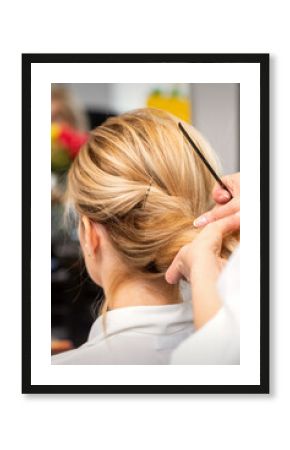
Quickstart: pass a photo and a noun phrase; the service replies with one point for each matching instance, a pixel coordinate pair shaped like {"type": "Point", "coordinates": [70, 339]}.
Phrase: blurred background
{"type": "Point", "coordinates": [75, 109]}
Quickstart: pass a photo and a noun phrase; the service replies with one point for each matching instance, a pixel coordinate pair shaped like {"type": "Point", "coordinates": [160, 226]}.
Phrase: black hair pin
{"type": "Point", "coordinates": [204, 160]}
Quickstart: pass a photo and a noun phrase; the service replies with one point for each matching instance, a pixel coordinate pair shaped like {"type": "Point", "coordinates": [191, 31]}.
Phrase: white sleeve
{"type": "Point", "coordinates": [218, 341]}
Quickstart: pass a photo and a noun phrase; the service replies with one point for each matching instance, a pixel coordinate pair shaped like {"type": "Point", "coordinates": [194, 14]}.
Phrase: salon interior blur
{"type": "Point", "coordinates": [77, 108]}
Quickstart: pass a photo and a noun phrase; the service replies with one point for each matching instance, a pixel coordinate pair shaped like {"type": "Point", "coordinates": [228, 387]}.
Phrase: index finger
{"type": "Point", "coordinates": [218, 212]}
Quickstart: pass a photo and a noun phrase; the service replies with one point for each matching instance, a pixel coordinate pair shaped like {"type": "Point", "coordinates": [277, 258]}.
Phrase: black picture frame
{"type": "Point", "coordinates": [263, 61]}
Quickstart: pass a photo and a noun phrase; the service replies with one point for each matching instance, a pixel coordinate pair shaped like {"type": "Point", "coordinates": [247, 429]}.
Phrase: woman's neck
{"type": "Point", "coordinates": [136, 292]}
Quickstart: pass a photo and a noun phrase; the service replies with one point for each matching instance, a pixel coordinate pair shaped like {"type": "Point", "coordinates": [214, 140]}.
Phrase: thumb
{"type": "Point", "coordinates": [175, 271]}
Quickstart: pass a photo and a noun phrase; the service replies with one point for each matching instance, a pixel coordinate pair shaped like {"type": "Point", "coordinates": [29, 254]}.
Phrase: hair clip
{"type": "Point", "coordinates": [147, 192]}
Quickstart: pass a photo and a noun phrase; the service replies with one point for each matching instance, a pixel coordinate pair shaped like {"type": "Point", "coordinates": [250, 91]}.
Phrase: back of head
{"type": "Point", "coordinates": [139, 176]}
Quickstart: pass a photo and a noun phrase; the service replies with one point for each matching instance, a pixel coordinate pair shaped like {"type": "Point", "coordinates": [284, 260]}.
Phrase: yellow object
{"type": "Point", "coordinates": [55, 131]}
{"type": "Point", "coordinates": [177, 105]}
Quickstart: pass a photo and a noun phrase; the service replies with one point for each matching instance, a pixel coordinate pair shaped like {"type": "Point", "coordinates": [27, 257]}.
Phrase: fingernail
{"type": "Point", "coordinates": [200, 221]}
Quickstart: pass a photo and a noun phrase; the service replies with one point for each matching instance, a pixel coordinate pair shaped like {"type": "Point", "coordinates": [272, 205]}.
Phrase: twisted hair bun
{"type": "Point", "coordinates": [108, 182]}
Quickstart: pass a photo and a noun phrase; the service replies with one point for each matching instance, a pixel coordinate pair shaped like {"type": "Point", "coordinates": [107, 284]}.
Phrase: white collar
{"type": "Point", "coordinates": [164, 319]}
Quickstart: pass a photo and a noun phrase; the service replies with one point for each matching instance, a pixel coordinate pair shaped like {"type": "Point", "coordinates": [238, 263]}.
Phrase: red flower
{"type": "Point", "coordinates": [72, 140]}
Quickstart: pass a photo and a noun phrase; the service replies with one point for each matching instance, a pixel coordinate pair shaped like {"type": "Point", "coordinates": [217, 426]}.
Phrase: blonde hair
{"type": "Point", "coordinates": [139, 177]}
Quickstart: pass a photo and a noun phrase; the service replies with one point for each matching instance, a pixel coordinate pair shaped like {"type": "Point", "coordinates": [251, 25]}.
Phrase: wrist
{"type": "Point", "coordinates": [206, 301]}
{"type": "Point", "coordinates": [205, 272]}
{"type": "Point", "coordinates": [206, 304]}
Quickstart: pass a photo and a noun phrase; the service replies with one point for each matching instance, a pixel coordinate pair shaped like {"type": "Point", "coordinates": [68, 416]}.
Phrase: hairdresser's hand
{"type": "Point", "coordinates": [200, 264]}
{"type": "Point", "coordinates": [225, 206]}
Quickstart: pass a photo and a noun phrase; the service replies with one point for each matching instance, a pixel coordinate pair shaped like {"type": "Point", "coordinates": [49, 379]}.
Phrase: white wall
{"type": "Point", "coordinates": [96, 95]}
{"type": "Point", "coordinates": [215, 113]}
{"type": "Point", "coordinates": [125, 97]}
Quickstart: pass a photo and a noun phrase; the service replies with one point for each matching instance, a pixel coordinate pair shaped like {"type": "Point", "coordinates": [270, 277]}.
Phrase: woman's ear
{"type": "Point", "coordinates": [91, 239]}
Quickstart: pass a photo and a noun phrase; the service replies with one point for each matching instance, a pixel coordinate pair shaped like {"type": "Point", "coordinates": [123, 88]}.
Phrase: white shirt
{"type": "Point", "coordinates": [134, 335]}
{"type": "Point", "coordinates": [218, 341]}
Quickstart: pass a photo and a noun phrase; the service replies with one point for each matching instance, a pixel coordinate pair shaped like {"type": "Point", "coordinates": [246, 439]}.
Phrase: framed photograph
{"type": "Point", "coordinates": [121, 154]}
